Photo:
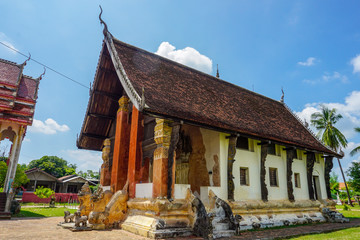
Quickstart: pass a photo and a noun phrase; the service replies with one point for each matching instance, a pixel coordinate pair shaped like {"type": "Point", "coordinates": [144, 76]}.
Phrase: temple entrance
{"type": "Point", "coordinates": [316, 185]}
{"type": "Point", "coordinates": [182, 169]}
{"type": "Point", "coordinates": [183, 151]}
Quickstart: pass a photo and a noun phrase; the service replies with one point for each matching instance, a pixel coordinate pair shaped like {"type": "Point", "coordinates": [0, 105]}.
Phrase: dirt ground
{"type": "Point", "coordinates": [46, 228]}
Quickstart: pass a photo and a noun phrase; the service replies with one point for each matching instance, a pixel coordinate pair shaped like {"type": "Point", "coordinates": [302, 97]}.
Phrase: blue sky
{"type": "Point", "coordinates": [310, 48]}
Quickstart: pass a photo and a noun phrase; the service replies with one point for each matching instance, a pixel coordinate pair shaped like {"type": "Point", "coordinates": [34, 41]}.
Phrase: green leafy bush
{"type": "Point", "coordinates": [42, 192]}
{"type": "Point", "coordinates": [346, 208]}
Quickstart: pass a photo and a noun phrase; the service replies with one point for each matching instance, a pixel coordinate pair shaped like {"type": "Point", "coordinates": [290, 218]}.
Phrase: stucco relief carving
{"type": "Point", "coordinates": [198, 173]}
{"type": "Point", "coordinates": [231, 160]}
{"type": "Point", "coordinates": [328, 167]}
{"type": "Point", "coordinates": [216, 172]}
{"type": "Point", "coordinates": [264, 152]}
{"type": "Point", "coordinates": [310, 161]}
{"type": "Point", "coordinates": [290, 155]}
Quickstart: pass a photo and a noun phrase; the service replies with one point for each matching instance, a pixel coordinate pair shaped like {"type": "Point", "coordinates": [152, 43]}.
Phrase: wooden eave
{"type": "Point", "coordinates": [102, 106]}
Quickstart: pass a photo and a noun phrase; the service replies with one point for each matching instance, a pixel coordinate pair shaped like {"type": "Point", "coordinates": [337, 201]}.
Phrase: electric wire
{"type": "Point", "coordinates": [45, 66]}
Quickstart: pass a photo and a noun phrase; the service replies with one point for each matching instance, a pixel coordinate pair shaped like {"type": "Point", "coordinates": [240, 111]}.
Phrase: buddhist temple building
{"type": "Point", "coordinates": [18, 95]}
{"type": "Point", "coordinates": [180, 143]}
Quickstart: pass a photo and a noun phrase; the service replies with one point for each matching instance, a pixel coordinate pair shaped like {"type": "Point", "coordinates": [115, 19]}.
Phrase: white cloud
{"type": "Point", "coordinates": [335, 76]}
{"type": "Point", "coordinates": [350, 110]}
{"type": "Point", "coordinates": [328, 77]}
{"type": "Point", "coordinates": [50, 126]}
{"type": "Point", "coordinates": [85, 159]}
{"type": "Point", "coordinates": [356, 64]}
{"type": "Point", "coordinates": [7, 41]}
{"type": "Point", "coordinates": [187, 56]}
{"type": "Point", "coordinates": [26, 139]}
{"type": "Point", "coordinates": [309, 62]}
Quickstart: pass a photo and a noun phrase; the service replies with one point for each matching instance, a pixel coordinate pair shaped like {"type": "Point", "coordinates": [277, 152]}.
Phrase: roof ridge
{"type": "Point", "coordinates": [213, 78]}
{"type": "Point", "coordinates": [31, 78]}
{"type": "Point", "coordinates": [9, 62]}
{"type": "Point", "coordinates": [307, 128]}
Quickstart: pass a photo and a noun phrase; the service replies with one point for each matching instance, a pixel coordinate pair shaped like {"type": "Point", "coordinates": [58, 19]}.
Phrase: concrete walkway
{"type": "Point", "coordinates": [46, 228]}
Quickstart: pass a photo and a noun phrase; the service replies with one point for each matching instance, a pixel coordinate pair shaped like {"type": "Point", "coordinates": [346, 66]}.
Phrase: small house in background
{"type": "Point", "coordinates": [66, 184]}
{"type": "Point", "coordinates": [65, 188]}
{"type": "Point", "coordinates": [40, 178]}
{"type": "Point", "coordinates": [71, 184]}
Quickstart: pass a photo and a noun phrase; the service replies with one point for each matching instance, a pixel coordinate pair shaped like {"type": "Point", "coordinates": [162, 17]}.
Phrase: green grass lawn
{"type": "Point", "coordinates": [43, 212]}
{"type": "Point", "coordinates": [47, 204]}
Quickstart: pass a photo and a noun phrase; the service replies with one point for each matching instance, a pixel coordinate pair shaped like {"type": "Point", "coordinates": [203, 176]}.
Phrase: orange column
{"type": "Point", "coordinates": [134, 151]}
{"type": "Point", "coordinates": [121, 146]}
{"type": "Point", "coordinates": [162, 138]}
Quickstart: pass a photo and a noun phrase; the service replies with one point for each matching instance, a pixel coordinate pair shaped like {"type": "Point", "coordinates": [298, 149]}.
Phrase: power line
{"type": "Point", "coordinates": [45, 66]}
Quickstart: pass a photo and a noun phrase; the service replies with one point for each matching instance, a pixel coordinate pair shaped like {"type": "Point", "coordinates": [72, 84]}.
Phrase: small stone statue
{"type": "Point", "coordinates": [80, 220]}
{"type": "Point", "coordinates": [68, 217]}
{"type": "Point", "coordinates": [52, 201]}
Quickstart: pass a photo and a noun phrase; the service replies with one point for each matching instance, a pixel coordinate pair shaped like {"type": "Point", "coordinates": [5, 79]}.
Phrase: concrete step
{"type": "Point", "coordinates": [5, 215]}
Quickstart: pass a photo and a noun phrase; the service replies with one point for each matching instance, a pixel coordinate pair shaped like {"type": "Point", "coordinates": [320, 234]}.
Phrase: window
{"type": "Point", "coordinates": [242, 143]}
{"type": "Point", "coordinates": [297, 180]}
{"type": "Point", "coordinates": [271, 149]}
{"type": "Point", "coordinates": [244, 176]}
{"type": "Point", "coordinates": [299, 154]}
{"type": "Point", "coordinates": [273, 177]}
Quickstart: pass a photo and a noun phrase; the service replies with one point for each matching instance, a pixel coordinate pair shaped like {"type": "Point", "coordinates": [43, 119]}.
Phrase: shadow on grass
{"type": "Point", "coordinates": [25, 214]}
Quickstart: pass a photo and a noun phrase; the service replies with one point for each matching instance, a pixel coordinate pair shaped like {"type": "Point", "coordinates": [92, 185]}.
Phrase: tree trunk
{"type": "Point", "coordinates": [347, 190]}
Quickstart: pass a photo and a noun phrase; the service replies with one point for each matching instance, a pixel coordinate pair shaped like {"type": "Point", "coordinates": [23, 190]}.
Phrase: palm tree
{"type": "Point", "coordinates": [324, 122]}
{"type": "Point", "coordinates": [357, 149]}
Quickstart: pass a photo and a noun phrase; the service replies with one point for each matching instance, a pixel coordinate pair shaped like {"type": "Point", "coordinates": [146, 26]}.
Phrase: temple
{"type": "Point", "coordinates": [18, 94]}
{"type": "Point", "coordinates": [187, 153]}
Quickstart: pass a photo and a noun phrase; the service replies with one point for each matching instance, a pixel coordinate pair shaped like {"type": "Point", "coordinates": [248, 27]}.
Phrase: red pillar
{"type": "Point", "coordinates": [121, 146]}
{"type": "Point", "coordinates": [134, 150]}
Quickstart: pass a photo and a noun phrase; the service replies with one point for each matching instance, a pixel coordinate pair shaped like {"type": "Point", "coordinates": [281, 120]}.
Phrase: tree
{"type": "Point", "coordinates": [357, 149]}
{"type": "Point", "coordinates": [324, 122]}
{"type": "Point", "coordinates": [354, 173]}
{"type": "Point", "coordinates": [20, 176]}
{"type": "Point", "coordinates": [89, 174]}
{"type": "Point", "coordinates": [334, 184]}
{"type": "Point", "coordinates": [53, 165]}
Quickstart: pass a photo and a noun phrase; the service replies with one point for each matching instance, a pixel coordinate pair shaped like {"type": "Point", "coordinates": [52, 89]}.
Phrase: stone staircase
{"type": "Point", "coordinates": [3, 214]}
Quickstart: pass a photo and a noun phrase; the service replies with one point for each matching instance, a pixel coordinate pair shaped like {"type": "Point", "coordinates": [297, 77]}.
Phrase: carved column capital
{"type": "Point", "coordinates": [162, 132]}
{"type": "Point", "coordinates": [123, 104]}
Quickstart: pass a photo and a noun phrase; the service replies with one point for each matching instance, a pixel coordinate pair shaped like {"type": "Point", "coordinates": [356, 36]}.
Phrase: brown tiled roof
{"type": "Point", "coordinates": [174, 90]}
{"type": "Point", "coordinates": [18, 93]}
{"type": "Point", "coordinates": [179, 92]}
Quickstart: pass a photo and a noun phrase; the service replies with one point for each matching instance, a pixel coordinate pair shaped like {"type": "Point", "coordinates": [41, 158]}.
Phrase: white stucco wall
{"type": "Point", "coordinates": [299, 166]}
{"type": "Point", "coordinates": [319, 170]}
{"type": "Point", "coordinates": [224, 145]}
{"type": "Point", "coordinates": [250, 160]}
{"type": "Point", "coordinates": [211, 140]}
{"type": "Point", "coordinates": [217, 144]}
{"type": "Point", "coordinates": [279, 162]}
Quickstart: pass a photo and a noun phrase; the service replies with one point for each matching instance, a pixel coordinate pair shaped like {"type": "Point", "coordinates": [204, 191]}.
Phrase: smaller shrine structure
{"type": "Point", "coordinates": [18, 95]}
